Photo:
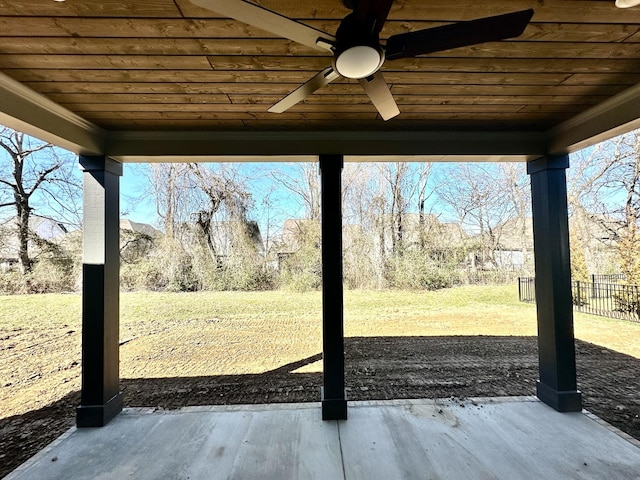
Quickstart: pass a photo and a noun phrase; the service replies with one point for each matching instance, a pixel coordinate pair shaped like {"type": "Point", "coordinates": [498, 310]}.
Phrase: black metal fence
{"type": "Point", "coordinates": [607, 277]}
{"type": "Point", "coordinates": [527, 289]}
{"type": "Point", "coordinates": [605, 299]}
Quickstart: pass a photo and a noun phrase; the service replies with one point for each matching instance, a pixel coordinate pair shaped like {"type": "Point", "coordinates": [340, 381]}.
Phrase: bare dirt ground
{"type": "Point", "coordinates": [217, 361]}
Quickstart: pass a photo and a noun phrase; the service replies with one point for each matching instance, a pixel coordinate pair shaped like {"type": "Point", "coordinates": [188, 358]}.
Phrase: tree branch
{"type": "Point", "coordinates": [42, 177]}
{"type": "Point", "coordinates": [9, 184]}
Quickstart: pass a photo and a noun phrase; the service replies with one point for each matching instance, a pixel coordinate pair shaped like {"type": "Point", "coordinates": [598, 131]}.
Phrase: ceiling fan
{"type": "Point", "coordinates": [356, 48]}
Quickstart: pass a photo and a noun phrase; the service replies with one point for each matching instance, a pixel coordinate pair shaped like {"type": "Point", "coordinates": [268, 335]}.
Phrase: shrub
{"type": "Point", "coordinates": [300, 281]}
{"type": "Point", "coordinates": [55, 269]}
{"type": "Point", "coordinates": [244, 276]}
{"type": "Point", "coordinates": [46, 276]}
{"type": "Point", "coordinates": [13, 283]}
{"type": "Point", "coordinates": [166, 267]}
{"type": "Point", "coordinates": [413, 270]}
{"type": "Point", "coordinates": [301, 271]}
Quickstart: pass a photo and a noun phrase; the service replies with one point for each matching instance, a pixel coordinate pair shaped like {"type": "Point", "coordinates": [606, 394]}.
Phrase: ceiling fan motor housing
{"type": "Point", "coordinates": [358, 53]}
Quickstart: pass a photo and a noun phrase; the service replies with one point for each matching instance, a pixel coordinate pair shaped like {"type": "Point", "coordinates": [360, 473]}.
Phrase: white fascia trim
{"type": "Point", "coordinates": [615, 116]}
{"type": "Point", "coordinates": [25, 110]}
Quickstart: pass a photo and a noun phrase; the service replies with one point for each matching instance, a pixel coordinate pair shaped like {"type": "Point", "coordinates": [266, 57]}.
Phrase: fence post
{"type": "Point", "coordinates": [579, 300]}
{"type": "Point", "coordinates": [519, 289]}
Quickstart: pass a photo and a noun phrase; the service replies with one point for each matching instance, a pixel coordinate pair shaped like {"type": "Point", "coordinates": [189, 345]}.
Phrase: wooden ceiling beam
{"type": "Point", "coordinates": [222, 102]}
{"type": "Point", "coordinates": [203, 146]}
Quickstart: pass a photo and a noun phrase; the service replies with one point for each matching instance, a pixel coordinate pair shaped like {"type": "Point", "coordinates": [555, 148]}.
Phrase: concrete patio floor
{"type": "Point", "coordinates": [505, 438]}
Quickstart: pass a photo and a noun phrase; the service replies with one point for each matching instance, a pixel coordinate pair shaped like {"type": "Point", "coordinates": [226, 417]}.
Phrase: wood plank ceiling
{"type": "Point", "coordinates": [165, 64]}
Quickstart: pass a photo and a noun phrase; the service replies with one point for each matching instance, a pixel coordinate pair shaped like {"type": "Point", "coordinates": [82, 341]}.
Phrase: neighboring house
{"type": "Point", "coordinates": [422, 232]}
{"type": "Point", "coordinates": [294, 231]}
{"type": "Point", "coordinates": [297, 235]}
{"type": "Point", "coordinates": [136, 239]}
{"type": "Point", "coordinates": [599, 247]}
{"type": "Point", "coordinates": [515, 243]}
{"type": "Point", "coordinates": [141, 228]}
{"type": "Point", "coordinates": [42, 227]}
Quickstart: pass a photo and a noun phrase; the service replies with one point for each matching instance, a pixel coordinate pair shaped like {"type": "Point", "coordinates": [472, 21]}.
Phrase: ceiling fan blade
{"type": "Point", "coordinates": [326, 76]}
{"type": "Point", "coordinates": [461, 34]}
{"type": "Point", "coordinates": [378, 91]}
{"type": "Point", "coordinates": [374, 11]}
{"type": "Point", "coordinates": [272, 22]}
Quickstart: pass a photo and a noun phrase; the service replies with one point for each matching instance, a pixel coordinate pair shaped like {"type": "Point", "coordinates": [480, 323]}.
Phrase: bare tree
{"type": "Point", "coordinates": [477, 195]}
{"type": "Point", "coordinates": [303, 181]}
{"type": "Point", "coordinates": [173, 189]}
{"type": "Point", "coordinates": [220, 189]}
{"type": "Point", "coordinates": [516, 184]}
{"type": "Point", "coordinates": [191, 191]}
{"type": "Point", "coordinates": [400, 182]}
{"type": "Point", "coordinates": [31, 169]}
{"type": "Point", "coordinates": [396, 176]}
{"type": "Point", "coordinates": [605, 189]}
{"type": "Point", "coordinates": [424, 195]}
{"type": "Point", "coordinates": [363, 241]}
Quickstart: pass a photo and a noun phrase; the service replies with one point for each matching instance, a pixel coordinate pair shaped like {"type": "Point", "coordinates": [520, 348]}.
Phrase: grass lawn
{"type": "Point", "coordinates": [472, 310]}
{"type": "Point", "coordinates": [236, 333]}
{"type": "Point", "coordinates": [219, 347]}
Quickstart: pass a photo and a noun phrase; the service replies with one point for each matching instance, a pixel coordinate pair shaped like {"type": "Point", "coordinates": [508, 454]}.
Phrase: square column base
{"type": "Point", "coordinates": [98, 415]}
{"type": "Point", "coordinates": [333, 408]}
{"type": "Point", "coordinates": [562, 401]}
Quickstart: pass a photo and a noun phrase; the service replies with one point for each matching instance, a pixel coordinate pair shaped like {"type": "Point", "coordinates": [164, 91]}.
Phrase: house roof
{"type": "Point", "coordinates": [137, 227]}
{"type": "Point", "coordinates": [168, 80]}
{"type": "Point", "coordinates": [44, 227]}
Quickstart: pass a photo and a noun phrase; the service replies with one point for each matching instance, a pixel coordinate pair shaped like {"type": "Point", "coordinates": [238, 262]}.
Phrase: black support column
{"type": "Point", "coordinates": [101, 399]}
{"type": "Point", "coordinates": [557, 385]}
{"type": "Point", "coordinates": [334, 399]}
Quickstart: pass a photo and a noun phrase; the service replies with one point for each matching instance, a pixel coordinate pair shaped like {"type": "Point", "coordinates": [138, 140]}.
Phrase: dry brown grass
{"type": "Point", "coordinates": [231, 333]}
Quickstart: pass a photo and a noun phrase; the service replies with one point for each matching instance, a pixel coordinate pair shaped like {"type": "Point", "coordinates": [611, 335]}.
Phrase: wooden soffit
{"type": "Point", "coordinates": [165, 79]}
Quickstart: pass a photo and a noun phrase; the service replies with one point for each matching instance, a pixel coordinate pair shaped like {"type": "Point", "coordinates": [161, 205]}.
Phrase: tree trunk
{"type": "Point", "coordinates": [169, 221]}
{"type": "Point", "coordinates": [26, 263]}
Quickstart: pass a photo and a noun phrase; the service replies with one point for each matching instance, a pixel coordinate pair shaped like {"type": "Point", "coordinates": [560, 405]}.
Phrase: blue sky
{"type": "Point", "coordinates": [138, 207]}
{"type": "Point", "coordinates": [281, 204]}
{"type": "Point", "coordinates": [137, 204]}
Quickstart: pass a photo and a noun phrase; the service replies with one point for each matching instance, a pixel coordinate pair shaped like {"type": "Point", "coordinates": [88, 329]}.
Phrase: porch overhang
{"type": "Point", "coordinates": [28, 111]}
{"type": "Point", "coordinates": [23, 109]}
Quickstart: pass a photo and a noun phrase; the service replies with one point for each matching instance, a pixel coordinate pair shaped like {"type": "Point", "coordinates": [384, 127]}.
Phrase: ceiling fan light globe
{"type": "Point", "coordinates": [627, 3]}
{"type": "Point", "coordinates": [359, 61]}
